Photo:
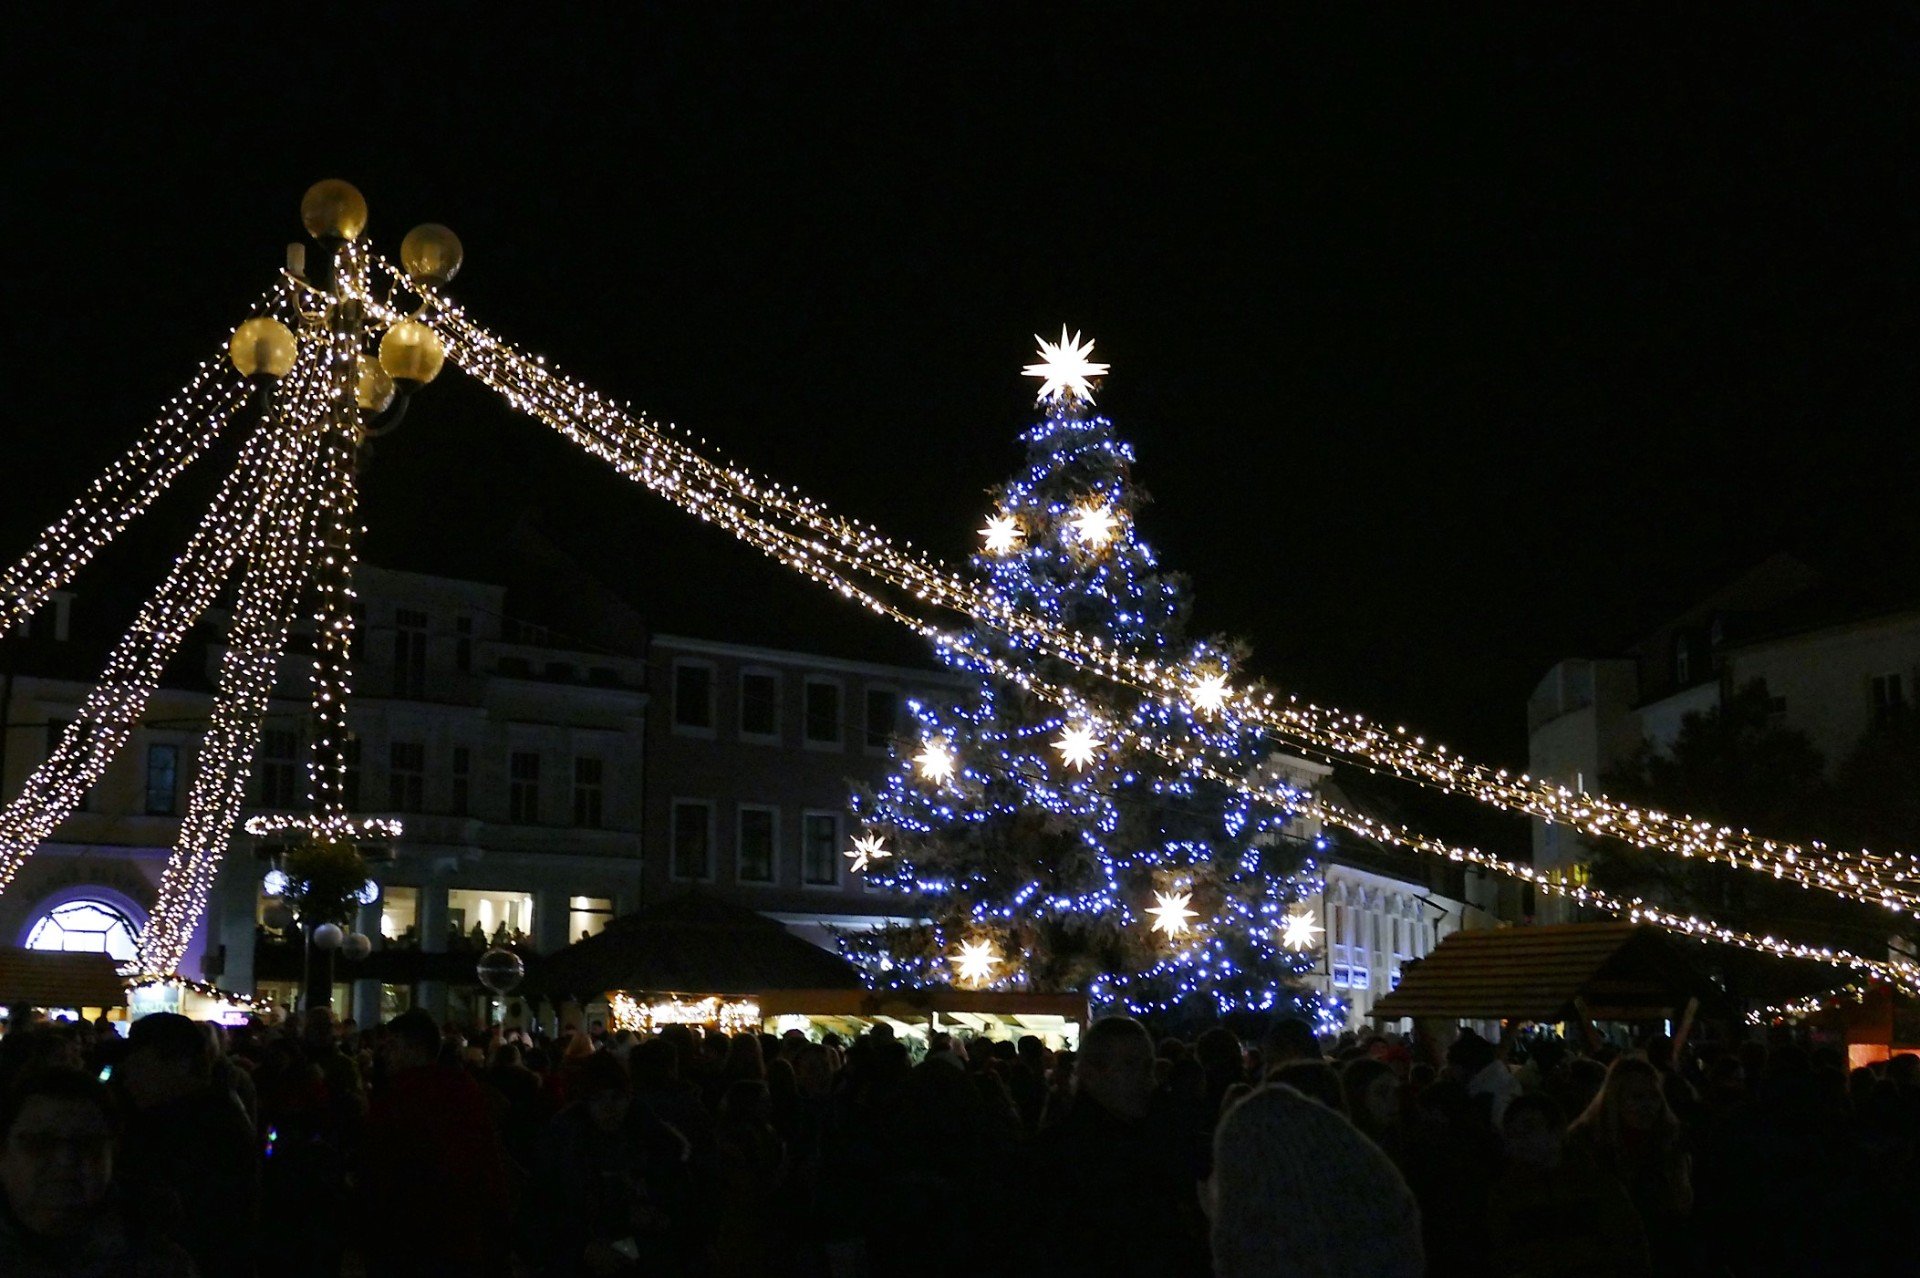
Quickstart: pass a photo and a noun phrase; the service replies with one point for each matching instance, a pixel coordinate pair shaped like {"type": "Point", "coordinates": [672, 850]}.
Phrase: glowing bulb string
{"type": "Point", "coordinates": [180, 434]}
{"type": "Point", "coordinates": [331, 680]}
{"type": "Point", "coordinates": [279, 566]}
{"type": "Point", "coordinates": [642, 451]}
{"type": "Point", "coordinates": [111, 710]}
{"type": "Point", "coordinates": [1904, 973]}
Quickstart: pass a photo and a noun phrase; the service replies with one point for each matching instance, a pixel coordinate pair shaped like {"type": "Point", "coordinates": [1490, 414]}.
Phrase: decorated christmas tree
{"type": "Point", "coordinates": [1047, 848]}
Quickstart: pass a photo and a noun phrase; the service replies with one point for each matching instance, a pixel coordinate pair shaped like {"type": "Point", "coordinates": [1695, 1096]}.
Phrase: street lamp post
{"type": "Point", "coordinates": [366, 394]}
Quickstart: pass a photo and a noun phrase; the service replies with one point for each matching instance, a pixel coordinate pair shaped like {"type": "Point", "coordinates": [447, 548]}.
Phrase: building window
{"type": "Point", "coordinates": [409, 654]}
{"type": "Point", "coordinates": [883, 716]}
{"type": "Point", "coordinates": [823, 712]}
{"type": "Point", "coordinates": [588, 794]}
{"type": "Point", "coordinates": [279, 768]}
{"type": "Point", "coordinates": [820, 849]}
{"type": "Point", "coordinates": [463, 644]}
{"type": "Point", "coordinates": [693, 695]}
{"type": "Point", "coordinates": [484, 917]}
{"type": "Point", "coordinates": [84, 926]}
{"type": "Point", "coordinates": [692, 851]}
{"type": "Point", "coordinates": [407, 776]}
{"type": "Point", "coordinates": [523, 788]}
{"type": "Point", "coordinates": [755, 845]}
{"type": "Point", "coordinates": [400, 914]}
{"type": "Point", "coordinates": [587, 916]}
{"type": "Point", "coordinates": [1889, 698]}
{"type": "Point", "coordinates": [163, 780]}
{"type": "Point", "coordinates": [760, 704]}
{"type": "Point", "coordinates": [462, 795]}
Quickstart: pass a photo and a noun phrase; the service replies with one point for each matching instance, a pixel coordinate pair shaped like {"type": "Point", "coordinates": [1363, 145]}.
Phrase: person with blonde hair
{"type": "Point", "coordinates": [1630, 1131]}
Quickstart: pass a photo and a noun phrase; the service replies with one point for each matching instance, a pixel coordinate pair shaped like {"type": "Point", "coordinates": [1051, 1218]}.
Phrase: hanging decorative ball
{"type": "Point", "coordinates": [356, 947]}
{"type": "Point", "coordinates": [328, 936]}
{"type": "Point", "coordinates": [500, 970]}
{"type": "Point", "coordinates": [431, 253]}
{"type": "Point", "coordinates": [373, 390]}
{"type": "Point", "coordinates": [411, 352]}
{"type": "Point", "coordinates": [262, 347]}
{"type": "Point", "coordinates": [334, 210]}
{"type": "Point", "coordinates": [278, 915]}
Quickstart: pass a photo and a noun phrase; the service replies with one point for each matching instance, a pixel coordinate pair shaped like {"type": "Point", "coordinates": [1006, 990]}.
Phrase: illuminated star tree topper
{"type": "Point", "coordinates": [1064, 370]}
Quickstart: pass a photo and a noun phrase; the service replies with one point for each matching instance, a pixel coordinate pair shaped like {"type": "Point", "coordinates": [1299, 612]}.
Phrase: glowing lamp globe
{"type": "Point", "coordinates": [356, 947]}
{"type": "Point", "coordinates": [411, 353]}
{"type": "Point", "coordinates": [431, 253]}
{"type": "Point", "coordinates": [500, 970]}
{"type": "Point", "coordinates": [262, 348]}
{"type": "Point", "coordinates": [334, 211]}
{"type": "Point", "coordinates": [373, 390]}
{"type": "Point", "coordinates": [328, 936]}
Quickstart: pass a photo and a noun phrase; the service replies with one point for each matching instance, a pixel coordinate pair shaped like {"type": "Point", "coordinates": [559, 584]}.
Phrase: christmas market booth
{"type": "Point", "coordinates": [694, 960]}
{"type": "Point", "coordinates": [62, 984]}
{"type": "Point", "coordinates": [1571, 974]}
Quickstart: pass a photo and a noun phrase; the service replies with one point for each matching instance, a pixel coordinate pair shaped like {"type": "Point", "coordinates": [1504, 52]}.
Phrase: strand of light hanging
{"type": "Point", "coordinates": [279, 565]}
{"type": "Point", "coordinates": [186, 426]}
{"type": "Point", "coordinates": [113, 707]}
{"type": "Point", "coordinates": [1902, 972]}
{"type": "Point", "coordinates": [332, 672]}
{"type": "Point", "coordinates": [666, 471]}
{"type": "Point", "coordinates": [643, 452]}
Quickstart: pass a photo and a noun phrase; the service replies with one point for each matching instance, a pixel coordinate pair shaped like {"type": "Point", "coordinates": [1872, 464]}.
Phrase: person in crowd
{"type": "Point", "coordinates": [1296, 1190]}
{"type": "Point", "coordinates": [430, 1152]}
{"type": "Point", "coordinates": [1489, 1082]}
{"type": "Point", "coordinates": [1630, 1132]}
{"type": "Point", "coordinates": [1315, 1079]}
{"type": "Point", "coordinates": [1372, 1102]}
{"type": "Point", "coordinates": [62, 1220]}
{"type": "Point", "coordinates": [610, 1182]}
{"type": "Point", "coordinates": [1287, 1039]}
{"type": "Point", "coordinates": [188, 1145]}
{"type": "Point", "coordinates": [1113, 1186]}
{"type": "Point", "coordinates": [1555, 1214]}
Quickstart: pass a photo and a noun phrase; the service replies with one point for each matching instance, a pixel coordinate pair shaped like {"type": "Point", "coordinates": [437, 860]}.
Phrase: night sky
{"type": "Point", "coordinates": [1449, 348]}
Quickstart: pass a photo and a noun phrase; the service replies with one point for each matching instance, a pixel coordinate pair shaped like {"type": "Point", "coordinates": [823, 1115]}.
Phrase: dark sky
{"type": "Point", "coordinates": [1449, 347]}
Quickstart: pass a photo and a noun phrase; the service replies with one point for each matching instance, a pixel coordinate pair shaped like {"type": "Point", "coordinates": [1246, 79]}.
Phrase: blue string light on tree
{"type": "Point", "coordinates": [1047, 838]}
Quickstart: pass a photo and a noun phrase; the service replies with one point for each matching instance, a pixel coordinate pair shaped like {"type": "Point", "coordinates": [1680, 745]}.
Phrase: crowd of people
{"type": "Point", "coordinates": [315, 1148]}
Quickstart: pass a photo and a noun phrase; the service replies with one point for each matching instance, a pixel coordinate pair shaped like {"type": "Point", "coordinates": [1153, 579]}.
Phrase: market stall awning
{"type": "Point", "coordinates": [693, 945]}
{"type": "Point", "coordinates": [1623, 972]}
{"type": "Point", "coordinates": [57, 978]}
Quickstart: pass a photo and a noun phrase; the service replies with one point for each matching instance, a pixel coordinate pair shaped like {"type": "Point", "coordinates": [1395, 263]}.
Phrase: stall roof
{"type": "Point", "coordinates": [692, 944]}
{"type": "Point", "coordinates": [1624, 972]}
{"type": "Point", "coordinates": [55, 978]}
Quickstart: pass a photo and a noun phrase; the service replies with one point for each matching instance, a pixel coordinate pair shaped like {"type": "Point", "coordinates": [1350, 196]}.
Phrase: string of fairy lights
{"type": "Point", "coordinates": [111, 710]}
{"type": "Point", "coordinates": [333, 617]}
{"type": "Point", "coordinates": [186, 426]}
{"type": "Point", "coordinates": [279, 568]}
{"type": "Point", "coordinates": [723, 495]}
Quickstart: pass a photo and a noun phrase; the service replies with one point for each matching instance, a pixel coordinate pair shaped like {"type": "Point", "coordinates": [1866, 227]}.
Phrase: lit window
{"type": "Point", "coordinates": [85, 926]}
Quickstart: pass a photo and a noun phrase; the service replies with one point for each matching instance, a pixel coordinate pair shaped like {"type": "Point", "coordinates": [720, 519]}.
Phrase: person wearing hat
{"type": "Point", "coordinates": [1298, 1192]}
{"type": "Point", "coordinates": [190, 1163]}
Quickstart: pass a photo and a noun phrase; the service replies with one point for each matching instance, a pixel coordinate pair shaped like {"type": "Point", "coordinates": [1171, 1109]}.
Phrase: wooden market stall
{"type": "Point", "coordinates": [1574, 973]}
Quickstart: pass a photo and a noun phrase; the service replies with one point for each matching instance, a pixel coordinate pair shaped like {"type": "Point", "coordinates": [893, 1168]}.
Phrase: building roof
{"type": "Point", "coordinates": [693, 944]}
{"type": "Point", "coordinates": [1623, 972]}
{"type": "Point", "coordinates": [54, 978]}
